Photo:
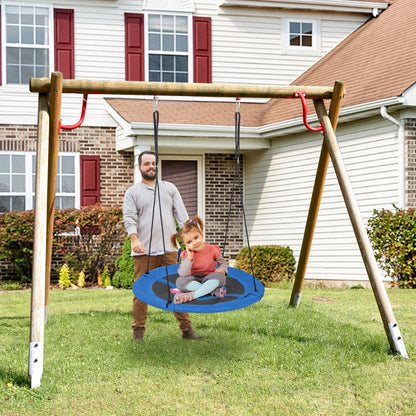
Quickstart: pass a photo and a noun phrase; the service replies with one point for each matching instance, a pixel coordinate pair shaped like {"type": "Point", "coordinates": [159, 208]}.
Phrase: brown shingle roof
{"type": "Point", "coordinates": [188, 112]}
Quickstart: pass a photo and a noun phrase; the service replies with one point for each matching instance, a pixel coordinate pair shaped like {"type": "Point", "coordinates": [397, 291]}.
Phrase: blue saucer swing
{"type": "Point", "coordinates": [157, 287]}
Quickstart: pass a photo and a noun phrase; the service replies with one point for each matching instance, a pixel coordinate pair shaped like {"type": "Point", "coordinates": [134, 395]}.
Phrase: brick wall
{"type": "Point", "coordinates": [116, 169]}
{"type": "Point", "coordinates": [410, 163]}
{"type": "Point", "coordinates": [219, 177]}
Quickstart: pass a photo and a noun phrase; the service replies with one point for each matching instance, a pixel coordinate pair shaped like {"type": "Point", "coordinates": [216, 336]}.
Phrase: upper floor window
{"type": "Point", "coordinates": [301, 36]}
{"type": "Point", "coordinates": [18, 180]}
{"type": "Point", "coordinates": [169, 49]}
{"type": "Point", "coordinates": [27, 31]}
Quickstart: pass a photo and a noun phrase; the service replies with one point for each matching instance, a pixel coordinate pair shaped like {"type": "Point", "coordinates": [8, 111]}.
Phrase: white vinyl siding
{"type": "Point", "coordinates": [279, 185]}
{"type": "Point", "coordinates": [246, 49]}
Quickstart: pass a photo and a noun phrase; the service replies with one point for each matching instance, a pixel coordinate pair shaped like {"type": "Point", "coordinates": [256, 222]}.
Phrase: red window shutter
{"type": "Point", "coordinates": [90, 180]}
{"type": "Point", "coordinates": [64, 42]}
{"type": "Point", "coordinates": [134, 46]}
{"type": "Point", "coordinates": [202, 49]}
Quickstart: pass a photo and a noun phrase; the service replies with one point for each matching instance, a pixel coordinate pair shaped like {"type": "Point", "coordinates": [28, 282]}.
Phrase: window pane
{"type": "Point", "coordinates": [4, 203]}
{"type": "Point", "coordinates": [28, 35]}
{"type": "Point", "coordinates": [67, 202]}
{"type": "Point", "coordinates": [42, 16]}
{"type": "Point", "coordinates": [12, 34]}
{"type": "Point", "coordinates": [41, 36]}
{"type": "Point", "coordinates": [181, 77]}
{"type": "Point", "coordinates": [68, 164]}
{"type": "Point", "coordinates": [294, 27]}
{"type": "Point", "coordinates": [168, 77]}
{"type": "Point", "coordinates": [154, 62]}
{"type": "Point", "coordinates": [182, 63]}
{"type": "Point", "coordinates": [58, 184]}
{"type": "Point", "coordinates": [18, 183]}
{"type": "Point", "coordinates": [28, 56]}
{"type": "Point", "coordinates": [68, 184]}
{"type": "Point", "coordinates": [4, 163]}
{"type": "Point", "coordinates": [307, 28]}
{"type": "Point", "coordinates": [58, 202]}
{"type": "Point", "coordinates": [154, 76]}
{"type": "Point", "coordinates": [182, 43]}
{"type": "Point", "coordinates": [18, 203]}
{"type": "Point", "coordinates": [18, 164]}
{"type": "Point", "coordinates": [27, 73]}
{"type": "Point", "coordinates": [168, 24]}
{"type": "Point", "coordinates": [181, 24]}
{"type": "Point", "coordinates": [4, 183]}
{"type": "Point", "coordinates": [154, 23]}
{"type": "Point", "coordinates": [12, 74]}
{"type": "Point", "coordinates": [12, 14]}
{"type": "Point", "coordinates": [295, 40]}
{"type": "Point", "coordinates": [27, 16]}
{"type": "Point", "coordinates": [168, 43]}
{"type": "Point", "coordinates": [168, 62]}
{"type": "Point", "coordinates": [154, 42]}
{"type": "Point", "coordinates": [12, 55]}
{"type": "Point", "coordinates": [307, 41]}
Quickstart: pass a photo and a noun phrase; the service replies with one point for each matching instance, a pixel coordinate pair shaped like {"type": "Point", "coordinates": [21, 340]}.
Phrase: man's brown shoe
{"type": "Point", "coordinates": [190, 334]}
{"type": "Point", "coordinates": [138, 334]}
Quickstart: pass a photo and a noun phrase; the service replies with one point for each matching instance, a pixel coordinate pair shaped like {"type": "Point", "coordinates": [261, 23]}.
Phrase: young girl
{"type": "Point", "coordinates": [197, 273]}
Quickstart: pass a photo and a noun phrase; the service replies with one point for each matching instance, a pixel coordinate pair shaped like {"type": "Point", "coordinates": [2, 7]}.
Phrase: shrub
{"type": "Point", "coordinates": [105, 277]}
{"type": "Point", "coordinates": [393, 237]}
{"type": "Point", "coordinates": [271, 263]}
{"type": "Point", "coordinates": [64, 280]}
{"type": "Point", "coordinates": [16, 239]}
{"type": "Point", "coordinates": [124, 276]}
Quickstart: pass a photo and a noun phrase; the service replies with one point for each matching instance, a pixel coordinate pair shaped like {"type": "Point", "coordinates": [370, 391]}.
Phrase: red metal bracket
{"type": "Point", "coordinates": [81, 120]}
{"type": "Point", "coordinates": [302, 96]}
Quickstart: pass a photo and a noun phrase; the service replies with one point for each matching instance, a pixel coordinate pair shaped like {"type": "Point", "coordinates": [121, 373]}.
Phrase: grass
{"type": "Point", "coordinates": [328, 357]}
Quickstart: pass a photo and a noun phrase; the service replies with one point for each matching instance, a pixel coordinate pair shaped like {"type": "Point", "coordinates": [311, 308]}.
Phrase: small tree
{"type": "Point", "coordinates": [64, 280]}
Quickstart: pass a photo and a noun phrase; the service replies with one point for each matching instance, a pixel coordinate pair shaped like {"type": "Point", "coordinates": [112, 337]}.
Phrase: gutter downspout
{"type": "Point", "coordinates": [385, 115]}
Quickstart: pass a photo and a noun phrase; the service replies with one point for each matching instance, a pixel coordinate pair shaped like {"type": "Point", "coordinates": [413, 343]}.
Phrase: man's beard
{"type": "Point", "coordinates": [148, 176]}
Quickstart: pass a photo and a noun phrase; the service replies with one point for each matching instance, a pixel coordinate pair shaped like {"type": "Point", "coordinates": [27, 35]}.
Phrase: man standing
{"type": "Point", "coordinates": [137, 211]}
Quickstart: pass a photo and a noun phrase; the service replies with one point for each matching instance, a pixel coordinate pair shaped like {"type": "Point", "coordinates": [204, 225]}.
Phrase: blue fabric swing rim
{"type": "Point", "coordinates": [250, 290]}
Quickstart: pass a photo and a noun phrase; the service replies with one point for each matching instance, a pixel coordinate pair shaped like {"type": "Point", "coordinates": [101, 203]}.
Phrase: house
{"type": "Point", "coordinates": [227, 41]}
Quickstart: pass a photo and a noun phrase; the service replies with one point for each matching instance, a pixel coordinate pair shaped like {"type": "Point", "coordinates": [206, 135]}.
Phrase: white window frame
{"type": "Point", "coordinates": [4, 39]}
{"type": "Point", "coordinates": [189, 54]}
{"type": "Point", "coordinates": [288, 49]}
{"type": "Point", "coordinates": [29, 160]}
{"type": "Point", "coordinates": [200, 163]}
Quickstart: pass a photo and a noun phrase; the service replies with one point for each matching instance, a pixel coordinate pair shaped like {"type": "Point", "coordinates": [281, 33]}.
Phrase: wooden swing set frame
{"type": "Point", "coordinates": [49, 113]}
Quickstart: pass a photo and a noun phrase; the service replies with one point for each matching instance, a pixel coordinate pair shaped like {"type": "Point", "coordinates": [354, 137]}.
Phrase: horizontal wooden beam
{"type": "Point", "coordinates": [89, 86]}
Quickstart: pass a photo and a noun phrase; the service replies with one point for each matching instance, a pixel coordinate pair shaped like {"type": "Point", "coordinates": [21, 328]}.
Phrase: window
{"type": "Point", "coordinates": [18, 181]}
{"type": "Point", "coordinates": [301, 36]}
{"type": "Point", "coordinates": [27, 34]}
{"type": "Point", "coordinates": [168, 45]}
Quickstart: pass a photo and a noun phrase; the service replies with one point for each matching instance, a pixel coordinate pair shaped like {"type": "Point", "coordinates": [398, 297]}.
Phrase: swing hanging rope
{"type": "Point", "coordinates": [237, 120]}
{"type": "Point", "coordinates": [157, 193]}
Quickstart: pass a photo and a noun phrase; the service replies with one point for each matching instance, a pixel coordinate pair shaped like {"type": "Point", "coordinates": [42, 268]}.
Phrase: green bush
{"type": "Point", "coordinates": [393, 237]}
{"type": "Point", "coordinates": [101, 228]}
{"type": "Point", "coordinates": [124, 276]}
{"type": "Point", "coordinates": [16, 239]}
{"type": "Point", "coordinates": [271, 263]}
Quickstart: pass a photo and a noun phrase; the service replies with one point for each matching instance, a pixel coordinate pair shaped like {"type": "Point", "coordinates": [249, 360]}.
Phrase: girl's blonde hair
{"type": "Point", "coordinates": [194, 224]}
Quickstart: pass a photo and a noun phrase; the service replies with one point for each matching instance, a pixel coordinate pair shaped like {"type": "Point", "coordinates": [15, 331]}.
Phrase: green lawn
{"type": "Point", "coordinates": [328, 357]}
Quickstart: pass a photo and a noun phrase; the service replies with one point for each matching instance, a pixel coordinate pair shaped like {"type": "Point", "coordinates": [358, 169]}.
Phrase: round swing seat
{"type": "Point", "coordinates": [241, 290]}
